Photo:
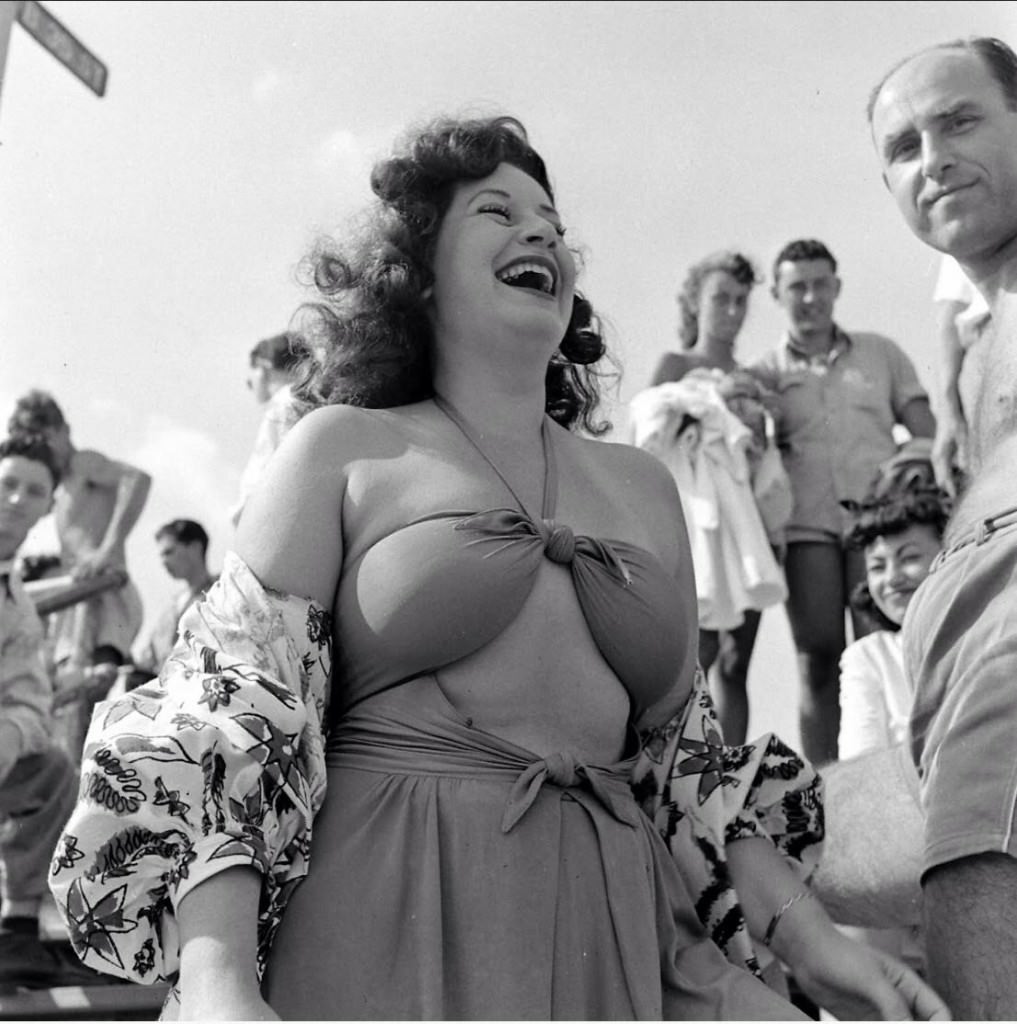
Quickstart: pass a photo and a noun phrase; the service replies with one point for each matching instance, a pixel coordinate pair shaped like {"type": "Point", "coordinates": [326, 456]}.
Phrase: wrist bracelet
{"type": "Point", "coordinates": [802, 894]}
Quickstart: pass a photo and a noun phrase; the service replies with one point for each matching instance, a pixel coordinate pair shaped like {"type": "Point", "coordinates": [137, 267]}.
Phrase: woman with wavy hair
{"type": "Point", "coordinates": [508, 606]}
{"type": "Point", "coordinates": [713, 301]}
{"type": "Point", "coordinates": [898, 527]}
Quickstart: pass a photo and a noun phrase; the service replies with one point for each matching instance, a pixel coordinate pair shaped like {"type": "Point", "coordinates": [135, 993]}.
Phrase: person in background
{"type": "Point", "coordinates": [274, 368]}
{"type": "Point", "coordinates": [962, 318]}
{"type": "Point", "coordinates": [96, 507]}
{"type": "Point", "coordinates": [183, 550]}
{"type": "Point", "coordinates": [944, 127]}
{"type": "Point", "coordinates": [839, 397]}
{"type": "Point", "coordinates": [38, 783]}
{"type": "Point", "coordinates": [713, 302]}
{"type": "Point", "coordinates": [899, 528]}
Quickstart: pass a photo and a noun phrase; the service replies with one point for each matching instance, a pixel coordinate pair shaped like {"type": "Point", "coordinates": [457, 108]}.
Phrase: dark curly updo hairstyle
{"type": "Point", "coordinates": [368, 326]}
{"type": "Point", "coordinates": [734, 263]}
{"type": "Point", "coordinates": [904, 493]}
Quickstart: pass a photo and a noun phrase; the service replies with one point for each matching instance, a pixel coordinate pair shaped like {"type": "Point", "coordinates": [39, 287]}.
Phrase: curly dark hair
{"type": "Point", "coordinates": [903, 494]}
{"type": "Point", "coordinates": [368, 326]}
{"type": "Point", "coordinates": [734, 263]}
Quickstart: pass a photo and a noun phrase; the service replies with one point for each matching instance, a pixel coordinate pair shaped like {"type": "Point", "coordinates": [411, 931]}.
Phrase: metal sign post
{"type": "Point", "coordinates": [8, 15]}
{"type": "Point", "coordinates": [67, 49]}
{"type": "Point", "coordinates": [50, 33]}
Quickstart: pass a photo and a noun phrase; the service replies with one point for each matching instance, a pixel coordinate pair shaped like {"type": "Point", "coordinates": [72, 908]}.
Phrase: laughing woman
{"type": "Point", "coordinates": [508, 602]}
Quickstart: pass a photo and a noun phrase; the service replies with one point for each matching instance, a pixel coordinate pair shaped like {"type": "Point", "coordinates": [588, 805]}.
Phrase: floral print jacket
{"type": "Point", "coordinates": [220, 763]}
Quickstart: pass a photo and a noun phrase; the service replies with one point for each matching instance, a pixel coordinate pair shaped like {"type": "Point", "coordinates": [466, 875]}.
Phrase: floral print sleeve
{"type": "Point", "coordinates": [702, 794]}
{"type": "Point", "coordinates": [218, 763]}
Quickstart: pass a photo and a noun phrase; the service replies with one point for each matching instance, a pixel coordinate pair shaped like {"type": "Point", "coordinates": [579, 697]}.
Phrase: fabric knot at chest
{"type": "Point", "coordinates": [560, 545]}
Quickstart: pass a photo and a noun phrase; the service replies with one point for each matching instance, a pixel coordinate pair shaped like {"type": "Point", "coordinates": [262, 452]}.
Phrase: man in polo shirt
{"type": "Point", "coordinates": [839, 396]}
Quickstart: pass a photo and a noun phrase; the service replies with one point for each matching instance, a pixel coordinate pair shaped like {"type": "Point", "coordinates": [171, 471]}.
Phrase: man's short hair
{"type": "Point", "coordinates": [34, 447]}
{"type": "Point", "coordinates": [184, 531]}
{"type": "Point", "coordinates": [35, 413]}
{"type": "Point", "coordinates": [282, 351]}
{"type": "Point", "coordinates": [999, 60]}
{"type": "Point", "coordinates": [802, 249]}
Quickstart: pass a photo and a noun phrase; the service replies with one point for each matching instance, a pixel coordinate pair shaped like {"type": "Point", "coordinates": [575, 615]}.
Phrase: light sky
{"type": "Point", "coordinates": [149, 238]}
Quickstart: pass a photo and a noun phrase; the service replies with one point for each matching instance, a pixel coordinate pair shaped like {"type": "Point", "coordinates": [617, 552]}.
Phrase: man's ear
{"type": "Point", "coordinates": [839, 285]}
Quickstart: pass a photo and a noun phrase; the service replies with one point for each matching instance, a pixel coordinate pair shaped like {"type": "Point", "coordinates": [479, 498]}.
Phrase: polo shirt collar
{"type": "Point", "coordinates": [841, 342]}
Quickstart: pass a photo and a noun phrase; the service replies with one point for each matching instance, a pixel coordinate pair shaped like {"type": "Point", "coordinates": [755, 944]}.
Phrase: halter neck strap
{"type": "Point", "coordinates": [550, 497]}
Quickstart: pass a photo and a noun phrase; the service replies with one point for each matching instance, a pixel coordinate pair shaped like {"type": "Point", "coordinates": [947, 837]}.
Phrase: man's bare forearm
{"type": "Point", "coordinates": [970, 912]}
{"type": "Point", "coordinates": [132, 493]}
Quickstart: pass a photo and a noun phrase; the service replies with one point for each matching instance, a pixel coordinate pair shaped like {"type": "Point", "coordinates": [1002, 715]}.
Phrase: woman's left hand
{"type": "Point", "coordinates": [856, 982]}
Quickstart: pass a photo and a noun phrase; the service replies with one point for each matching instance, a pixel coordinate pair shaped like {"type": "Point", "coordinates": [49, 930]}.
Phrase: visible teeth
{"type": "Point", "coordinates": [517, 270]}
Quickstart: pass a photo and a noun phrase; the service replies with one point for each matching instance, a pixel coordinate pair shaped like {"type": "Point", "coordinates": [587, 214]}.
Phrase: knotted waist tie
{"type": "Point", "coordinates": [567, 771]}
{"type": "Point", "coordinates": [411, 730]}
{"type": "Point", "coordinates": [395, 733]}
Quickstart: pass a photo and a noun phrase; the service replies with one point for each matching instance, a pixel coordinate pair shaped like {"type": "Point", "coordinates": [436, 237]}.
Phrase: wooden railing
{"type": "Point", "coordinates": [92, 1002]}
{"type": "Point", "coordinates": [54, 593]}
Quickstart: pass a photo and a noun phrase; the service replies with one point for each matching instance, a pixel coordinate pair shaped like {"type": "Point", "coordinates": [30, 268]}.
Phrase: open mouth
{"type": "Point", "coordinates": [530, 274]}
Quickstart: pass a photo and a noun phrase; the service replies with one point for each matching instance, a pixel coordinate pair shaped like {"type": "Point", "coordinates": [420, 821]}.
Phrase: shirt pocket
{"type": "Point", "coordinates": [865, 392]}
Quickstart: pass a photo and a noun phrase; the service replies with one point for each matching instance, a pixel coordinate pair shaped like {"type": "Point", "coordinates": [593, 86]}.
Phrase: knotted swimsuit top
{"type": "Point", "coordinates": [444, 585]}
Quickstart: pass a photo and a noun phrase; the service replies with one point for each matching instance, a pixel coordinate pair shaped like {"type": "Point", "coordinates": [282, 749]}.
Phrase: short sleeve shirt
{"type": "Point", "coordinates": [25, 690]}
{"type": "Point", "coordinates": [835, 420]}
{"type": "Point", "coordinates": [960, 647]}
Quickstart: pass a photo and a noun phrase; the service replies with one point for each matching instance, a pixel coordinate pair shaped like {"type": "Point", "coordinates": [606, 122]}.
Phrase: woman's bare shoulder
{"type": "Point", "coordinates": [673, 366]}
{"type": "Point", "coordinates": [627, 461]}
{"type": "Point", "coordinates": [625, 470]}
{"type": "Point", "coordinates": [338, 435]}
{"type": "Point", "coordinates": [291, 531]}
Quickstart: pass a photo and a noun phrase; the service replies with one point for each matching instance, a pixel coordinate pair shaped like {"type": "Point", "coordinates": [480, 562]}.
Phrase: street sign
{"type": "Point", "coordinates": [67, 49]}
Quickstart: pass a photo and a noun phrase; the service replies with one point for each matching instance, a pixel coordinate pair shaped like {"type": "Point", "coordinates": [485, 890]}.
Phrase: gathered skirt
{"type": "Point", "coordinates": [458, 876]}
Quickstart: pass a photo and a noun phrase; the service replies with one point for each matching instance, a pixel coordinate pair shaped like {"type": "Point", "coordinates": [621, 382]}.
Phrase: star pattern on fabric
{"type": "Point", "coordinates": [275, 750]}
{"type": "Point", "coordinates": [92, 927]}
{"type": "Point", "coordinates": [218, 690]}
{"type": "Point", "coordinates": [706, 759]}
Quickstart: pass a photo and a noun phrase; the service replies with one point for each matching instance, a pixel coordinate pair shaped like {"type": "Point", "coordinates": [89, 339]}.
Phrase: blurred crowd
{"type": "Point", "coordinates": [70, 632]}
